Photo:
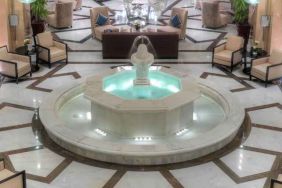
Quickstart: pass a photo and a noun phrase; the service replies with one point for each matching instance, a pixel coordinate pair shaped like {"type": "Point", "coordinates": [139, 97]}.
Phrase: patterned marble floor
{"type": "Point", "coordinates": [250, 165]}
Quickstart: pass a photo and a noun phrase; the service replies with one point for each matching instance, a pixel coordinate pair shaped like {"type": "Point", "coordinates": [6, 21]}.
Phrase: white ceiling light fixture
{"type": "Point", "coordinates": [252, 2]}
{"type": "Point", "coordinates": [26, 1]}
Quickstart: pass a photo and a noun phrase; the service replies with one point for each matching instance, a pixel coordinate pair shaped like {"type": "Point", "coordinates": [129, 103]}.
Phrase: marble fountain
{"type": "Point", "coordinates": [142, 115]}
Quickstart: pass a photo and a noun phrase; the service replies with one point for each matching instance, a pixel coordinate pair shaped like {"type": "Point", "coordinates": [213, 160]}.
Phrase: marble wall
{"type": "Point", "coordinates": [276, 25]}
{"type": "Point", "coordinates": [12, 36]}
{"type": "Point", "coordinates": [4, 22]}
{"type": "Point", "coordinates": [270, 37]}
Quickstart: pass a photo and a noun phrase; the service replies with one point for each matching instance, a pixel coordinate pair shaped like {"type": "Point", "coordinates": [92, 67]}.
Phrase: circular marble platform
{"type": "Point", "coordinates": [154, 152]}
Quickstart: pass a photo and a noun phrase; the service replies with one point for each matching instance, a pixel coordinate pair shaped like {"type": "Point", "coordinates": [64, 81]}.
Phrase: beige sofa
{"type": "Point", "coordinates": [97, 31]}
{"type": "Point", "coordinates": [62, 16]}
{"type": "Point", "coordinates": [49, 50]}
{"type": "Point", "coordinates": [229, 54]}
{"type": "Point", "coordinates": [13, 65]}
{"type": "Point", "coordinates": [211, 17]}
{"type": "Point", "coordinates": [267, 68]}
{"type": "Point", "coordinates": [183, 16]}
{"type": "Point", "coordinates": [10, 179]}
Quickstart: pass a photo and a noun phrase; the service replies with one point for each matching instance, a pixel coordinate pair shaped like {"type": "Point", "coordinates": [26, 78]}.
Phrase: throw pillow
{"type": "Point", "coordinates": [175, 21]}
{"type": "Point", "coordinates": [101, 20]}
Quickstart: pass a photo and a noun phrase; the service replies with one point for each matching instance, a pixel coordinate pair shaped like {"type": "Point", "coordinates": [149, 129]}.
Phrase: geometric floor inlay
{"type": "Point", "coordinates": [38, 162]}
{"type": "Point", "coordinates": [245, 163]}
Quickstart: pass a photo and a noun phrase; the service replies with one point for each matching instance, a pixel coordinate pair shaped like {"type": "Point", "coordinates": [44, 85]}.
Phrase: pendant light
{"type": "Point", "coordinates": [26, 1]}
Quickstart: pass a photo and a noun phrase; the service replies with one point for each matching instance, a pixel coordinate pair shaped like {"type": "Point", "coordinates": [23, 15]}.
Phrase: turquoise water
{"type": "Point", "coordinates": [161, 85]}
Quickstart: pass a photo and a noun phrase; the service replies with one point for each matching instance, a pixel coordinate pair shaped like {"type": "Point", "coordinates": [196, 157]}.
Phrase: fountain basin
{"type": "Point", "coordinates": [124, 114]}
{"type": "Point", "coordinates": [121, 84]}
{"type": "Point", "coordinates": [82, 138]}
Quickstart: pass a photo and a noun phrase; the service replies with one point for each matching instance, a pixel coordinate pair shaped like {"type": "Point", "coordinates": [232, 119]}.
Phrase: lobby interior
{"type": "Point", "coordinates": [72, 115]}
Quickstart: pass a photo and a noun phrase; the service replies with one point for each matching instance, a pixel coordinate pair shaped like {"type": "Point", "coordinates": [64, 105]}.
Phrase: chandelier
{"type": "Point", "coordinates": [252, 2]}
{"type": "Point", "coordinates": [26, 1]}
{"type": "Point", "coordinates": [158, 6]}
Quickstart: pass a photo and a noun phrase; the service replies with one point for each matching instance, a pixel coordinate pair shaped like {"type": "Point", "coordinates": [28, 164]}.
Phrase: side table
{"type": "Point", "coordinates": [22, 50]}
{"type": "Point", "coordinates": [248, 57]}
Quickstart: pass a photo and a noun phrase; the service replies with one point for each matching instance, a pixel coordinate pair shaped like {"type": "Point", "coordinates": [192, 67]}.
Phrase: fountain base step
{"type": "Point", "coordinates": [141, 150]}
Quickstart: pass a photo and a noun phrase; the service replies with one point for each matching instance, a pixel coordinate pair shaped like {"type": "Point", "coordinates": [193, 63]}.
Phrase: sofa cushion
{"type": "Point", "coordinates": [55, 51]}
{"type": "Point", "coordinates": [55, 54]}
{"type": "Point", "coordinates": [4, 54]}
{"type": "Point", "coordinates": [275, 57]}
{"type": "Point", "coordinates": [261, 68]}
{"type": "Point", "coordinates": [234, 43]}
{"type": "Point", "coordinates": [101, 20]}
{"type": "Point", "coordinates": [224, 55]}
{"type": "Point", "coordinates": [45, 39]}
{"type": "Point", "coordinates": [175, 21]}
{"type": "Point", "coordinates": [100, 30]}
{"type": "Point", "coordinates": [23, 67]}
{"type": "Point", "coordinates": [169, 29]}
{"type": "Point", "coordinates": [259, 71]}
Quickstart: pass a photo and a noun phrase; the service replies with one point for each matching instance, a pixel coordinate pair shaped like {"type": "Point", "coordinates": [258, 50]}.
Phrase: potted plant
{"type": "Point", "coordinates": [39, 13]}
{"type": "Point", "coordinates": [241, 18]}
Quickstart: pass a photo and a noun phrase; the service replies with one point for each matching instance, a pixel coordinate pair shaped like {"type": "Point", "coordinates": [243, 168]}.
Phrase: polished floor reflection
{"type": "Point", "coordinates": [250, 165]}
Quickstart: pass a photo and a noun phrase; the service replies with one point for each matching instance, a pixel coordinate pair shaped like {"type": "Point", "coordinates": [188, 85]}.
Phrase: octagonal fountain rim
{"type": "Point", "coordinates": [94, 92]}
{"type": "Point", "coordinates": [203, 144]}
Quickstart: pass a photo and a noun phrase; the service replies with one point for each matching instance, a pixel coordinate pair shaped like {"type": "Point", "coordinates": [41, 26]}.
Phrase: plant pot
{"type": "Point", "coordinates": [38, 27]}
{"type": "Point", "coordinates": [244, 31]}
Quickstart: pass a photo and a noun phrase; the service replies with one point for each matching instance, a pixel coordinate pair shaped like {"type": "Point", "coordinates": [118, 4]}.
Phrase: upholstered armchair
{"type": "Point", "coordinates": [13, 65]}
{"type": "Point", "coordinates": [78, 4]}
{"type": "Point", "coordinates": [181, 30]}
{"type": "Point", "coordinates": [62, 16]}
{"type": "Point", "coordinates": [229, 54]}
{"type": "Point", "coordinates": [275, 184]}
{"type": "Point", "coordinates": [211, 17]}
{"type": "Point", "coordinates": [267, 68]}
{"type": "Point", "coordinates": [98, 30]}
{"type": "Point", "coordinates": [49, 50]}
{"type": "Point", "coordinates": [9, 179]}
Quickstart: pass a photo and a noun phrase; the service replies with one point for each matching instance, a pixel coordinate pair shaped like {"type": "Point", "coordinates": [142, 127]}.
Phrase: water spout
{"type": "Point", "coordinates": [142, 60]}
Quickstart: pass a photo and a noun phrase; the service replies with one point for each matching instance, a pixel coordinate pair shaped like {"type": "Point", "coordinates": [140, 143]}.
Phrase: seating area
{"type": "Point", "coordinates": [98, 30]}
{"type": "Point", "coordinates": [140, 93]}
{"type": "Point", "coordinates": [175, 28]}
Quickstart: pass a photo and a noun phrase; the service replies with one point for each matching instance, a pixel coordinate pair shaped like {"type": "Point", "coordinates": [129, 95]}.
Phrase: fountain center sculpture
{"type": "Point", "coordinates": [142, 60]}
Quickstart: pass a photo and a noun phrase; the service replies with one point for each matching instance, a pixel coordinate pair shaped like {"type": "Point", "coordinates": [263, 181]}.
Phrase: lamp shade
{"type": "Point", "coordinates": [252, 2]}
{"type": "Point", "coordinates": [26, 1]}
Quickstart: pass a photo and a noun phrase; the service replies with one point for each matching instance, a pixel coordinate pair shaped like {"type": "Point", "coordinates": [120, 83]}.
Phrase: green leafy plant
{"type": "Point", "coordinates": [241, 11]}
{"type": "Point", "coordinates": [39, 10]}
